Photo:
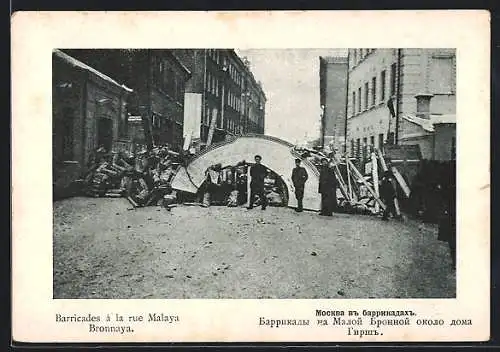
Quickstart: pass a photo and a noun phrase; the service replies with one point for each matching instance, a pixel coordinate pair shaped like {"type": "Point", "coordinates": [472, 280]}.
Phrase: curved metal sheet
{"type": "Point", "coordinates": [277, 155]}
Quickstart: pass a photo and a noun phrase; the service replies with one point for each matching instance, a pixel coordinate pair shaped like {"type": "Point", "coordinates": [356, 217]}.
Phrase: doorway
{"type": "Point", "coordinates": [105, 133]}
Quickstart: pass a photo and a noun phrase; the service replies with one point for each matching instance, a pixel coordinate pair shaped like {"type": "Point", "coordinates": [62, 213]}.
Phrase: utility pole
{"type": "Point", "coordinates": [346, 105]}
{"type": "Point", "coordinates": [398, 97]}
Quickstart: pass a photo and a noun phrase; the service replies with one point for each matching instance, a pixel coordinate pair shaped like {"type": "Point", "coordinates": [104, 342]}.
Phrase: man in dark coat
{"type": "Point", "coordinates": [447, 220]}
{"type": "Point", "coordinates": [258, 173]}
{"type": "Point", "coordinates": [327, 188]}
{"type": "Point", "coordinates": [387, 194]}
{"type": "Point", "coordinates": [299, 178]}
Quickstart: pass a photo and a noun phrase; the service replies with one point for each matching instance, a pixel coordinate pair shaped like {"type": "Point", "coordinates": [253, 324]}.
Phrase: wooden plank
{"type": "Point", "coordinates": [370, 189]}
{"type": "Point", "coordinates": [375, 177]}
{"type": "Point", "coordinates": [134, 204]}
{"type": "Point", "coordinates": [340, 180]}
{"type": "Point", "coordinates": [401, 181]}
{"type": "Point", "coordinates": [349, 179]}
{"type": "Point", "coordinates": [382, 160]}
{"type": "Point", "coordinates": [187, 141]}
{"type": "Point", "coordinates": [248, 186]}
{"type": "Point", "coordinates": [396, 206]}
{"type": "Point", "coordinates": [211, 130]}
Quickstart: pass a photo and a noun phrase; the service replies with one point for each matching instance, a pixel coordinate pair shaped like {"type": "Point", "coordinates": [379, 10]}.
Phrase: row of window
{"type": "Point", "coordinates": [219, 59]}
{"type": "Point", "coordinates": [359, 54]}
{"type": "Point", "coordinates": [212, 84]}
{"type": "Point", "coordinates": [168, 80]}
{"type": "Point", "coordinates": [373, 92]}
{"type": "Point", "coordinates": [227, 122]}
{"type": "Point", "coordinates": [359, 150]}
{"type": "Point", "coordinates": [231, 99]}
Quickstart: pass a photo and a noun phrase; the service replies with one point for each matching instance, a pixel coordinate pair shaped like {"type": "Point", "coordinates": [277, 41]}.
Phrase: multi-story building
{"type": "Point", "coordinates": [333, 100]}
{"type": "Point", "coordinates": [402, 96]}
{"type": "Point", "coordinates": [230, 93]}
{"type": "Point", "coordinates": [158, 80]}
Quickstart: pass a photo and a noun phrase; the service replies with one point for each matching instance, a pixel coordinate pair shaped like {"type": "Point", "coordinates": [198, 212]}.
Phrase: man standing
{"type": "Point", "coordinates": [327, 188]}
{"type": "Point", "coordinates": [299, 178]}
{"type": "Point", "coordinates": [258, 173]}
{"type": "Point", "coordinates": [388, 193]}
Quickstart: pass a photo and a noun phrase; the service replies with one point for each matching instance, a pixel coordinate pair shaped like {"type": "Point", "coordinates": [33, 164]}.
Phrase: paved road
{"type": "Point", "coordinates": [103, 250]}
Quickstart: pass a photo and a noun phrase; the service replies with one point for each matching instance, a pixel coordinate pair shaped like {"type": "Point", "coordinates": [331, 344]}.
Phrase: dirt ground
{"type": "Point", "coordinates": [104, 250]}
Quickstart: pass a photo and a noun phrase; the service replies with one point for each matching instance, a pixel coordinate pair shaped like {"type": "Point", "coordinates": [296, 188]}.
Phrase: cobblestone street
{"type": "Point", "coordinates": [104, 250]}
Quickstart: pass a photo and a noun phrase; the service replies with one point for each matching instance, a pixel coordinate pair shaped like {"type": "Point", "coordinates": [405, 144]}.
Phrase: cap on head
{"type": "Point", "coordinates": [258, 157]}
{"type": "Point", "coordinates": [297, 161]}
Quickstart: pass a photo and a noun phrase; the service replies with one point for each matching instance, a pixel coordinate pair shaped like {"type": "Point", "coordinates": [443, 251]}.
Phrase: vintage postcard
{"type": "Point", "coordinates": [302, 176]}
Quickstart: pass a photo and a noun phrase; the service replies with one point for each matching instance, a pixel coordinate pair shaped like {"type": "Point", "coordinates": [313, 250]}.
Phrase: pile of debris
{"type": "Point", "coordinates": [143, 178]}
{"type": "Point", "coordinates": [358, 193]}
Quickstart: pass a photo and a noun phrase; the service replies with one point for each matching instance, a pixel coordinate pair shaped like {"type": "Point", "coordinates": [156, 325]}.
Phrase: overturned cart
{"type": "Point", "coordinates": [277, 155]}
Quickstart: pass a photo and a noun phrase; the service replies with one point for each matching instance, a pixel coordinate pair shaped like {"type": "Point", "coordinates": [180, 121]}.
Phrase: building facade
{"type": "Point", "coordinates": [402, 96]}
{"type": "Point", "coordinates": [158, 80]}
{"type": "Point", "coordinates": [89, 110]}
{"type": "Point", "coordinates": [333, 100]}
{"type": "Point", "coordinates": [230, 94]}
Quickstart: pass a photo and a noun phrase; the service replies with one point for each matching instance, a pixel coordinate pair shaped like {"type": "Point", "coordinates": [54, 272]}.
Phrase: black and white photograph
{"type": "Point", "coordinates": [226, 173]}
{"type": "Point", "coordinates": [250, 176]}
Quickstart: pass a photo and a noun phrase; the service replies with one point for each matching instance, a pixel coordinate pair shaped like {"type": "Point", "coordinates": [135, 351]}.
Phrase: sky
{"type": "Point", "coordinates": [290, 79]}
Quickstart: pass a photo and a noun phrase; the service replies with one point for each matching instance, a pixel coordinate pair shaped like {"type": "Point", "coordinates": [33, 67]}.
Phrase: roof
{"type": "Point", "coordinates": [334, 59]}
{"type": "Point", "coordinates": [76, 63]}
{"type": "Point", "coordinates": [435, 119]}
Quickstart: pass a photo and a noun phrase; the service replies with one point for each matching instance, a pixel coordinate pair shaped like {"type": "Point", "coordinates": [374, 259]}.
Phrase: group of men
{"type": "Point", "coordinates": [327, 187]}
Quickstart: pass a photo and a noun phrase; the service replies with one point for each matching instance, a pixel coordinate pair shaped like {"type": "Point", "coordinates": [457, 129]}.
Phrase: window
{"type": "Point", "coordinates": [441, 75]}
{"type": "Point", "coordinates": [358, 148]}
{"type": "Point", "coordinates": [365, 148]}
{"type": "Point", "coordinates": [354, 103]}
{"type": "Point", "coordinates": [366, 96]}
{"type": "Point", "coordinates": [372, 142]}
{"type": "Point", "coordinates": [380, 141]}
{"type": "Point", "coordinates": [352, 148]}
{"type": "Point", "coordinates": [382, 86]}
{"type": "Point", "coordinates": [393, 79]}
{"type": "Point", "coordinates": [374, 90]}
{"type": "Point", "coordinates": [359, 99]}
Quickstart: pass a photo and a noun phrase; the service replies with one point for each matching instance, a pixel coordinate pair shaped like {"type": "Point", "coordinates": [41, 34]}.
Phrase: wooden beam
{"type": "Point", "coordinates": [382, 160]}
{"type": "Point", "coordinates": [248, 187]}
{"type": "Point", "coordinates": [401, 181]}
{"type": "Point", "coordinates": [341, 182]}
{"type": "Point", "coordinates": [370, 189]}
{"type": "Point", "coordinates": [375, 177]}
